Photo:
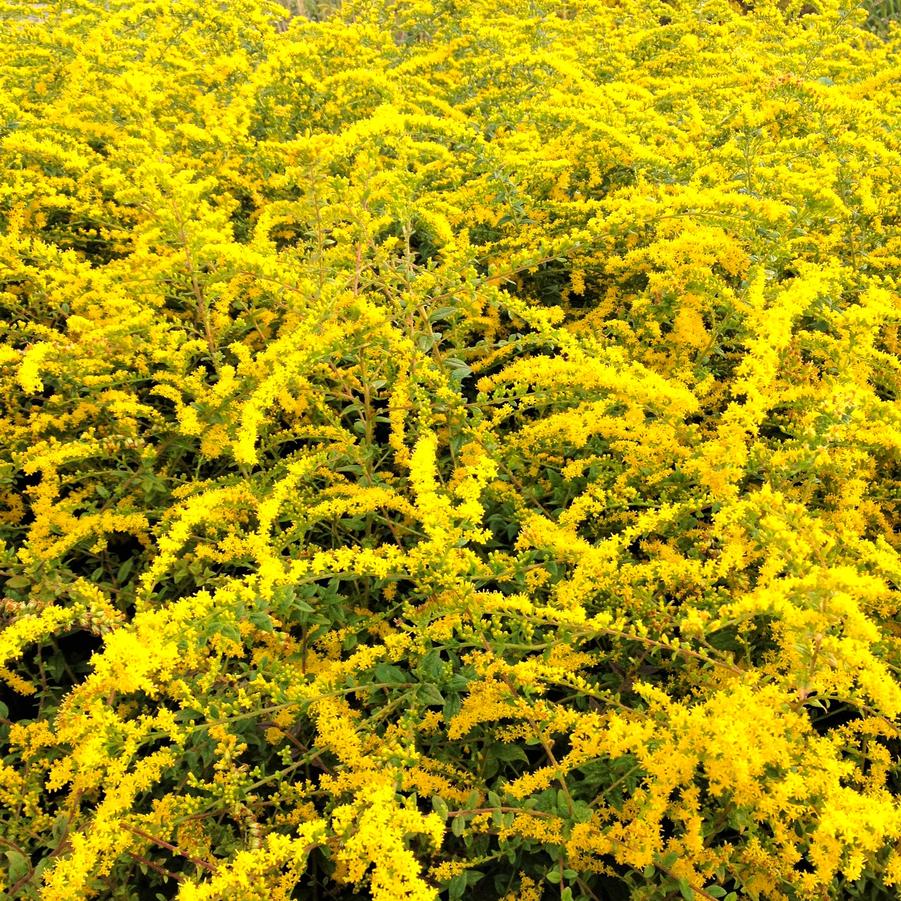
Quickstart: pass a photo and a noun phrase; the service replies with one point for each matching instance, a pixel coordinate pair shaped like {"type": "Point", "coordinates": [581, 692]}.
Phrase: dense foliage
{"type": "Point", "coordinates": [450, 447]}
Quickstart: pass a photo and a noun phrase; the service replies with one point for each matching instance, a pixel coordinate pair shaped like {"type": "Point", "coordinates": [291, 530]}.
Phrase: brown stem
{"type": "Point", "coordinates": [691, 885]}
{"type": "Point", "coordinates": [477, 810]}
{"type": "Point", "coordinates": [170, 847]}
{"type": "Point", "coordinates": [155, 866]}
{"type": "Point", "coordinates": [28, 876]}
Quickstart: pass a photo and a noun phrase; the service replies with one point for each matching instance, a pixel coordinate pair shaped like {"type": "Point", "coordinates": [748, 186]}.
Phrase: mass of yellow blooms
{"type": "Point", "coordinates": [450, 449]}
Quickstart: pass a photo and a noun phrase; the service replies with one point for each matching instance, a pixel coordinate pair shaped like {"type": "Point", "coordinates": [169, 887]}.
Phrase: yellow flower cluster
{"type": "Point", "coordinates": [450, 449]}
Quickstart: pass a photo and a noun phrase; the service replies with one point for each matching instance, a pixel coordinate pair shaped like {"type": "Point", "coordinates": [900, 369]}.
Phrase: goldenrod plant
{"type": "Point", "coordinates": [450, 449]}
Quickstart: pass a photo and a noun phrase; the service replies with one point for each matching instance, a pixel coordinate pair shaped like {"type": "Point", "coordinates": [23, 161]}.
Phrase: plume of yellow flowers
{"type": "Point", "coordinates": [450, 449]}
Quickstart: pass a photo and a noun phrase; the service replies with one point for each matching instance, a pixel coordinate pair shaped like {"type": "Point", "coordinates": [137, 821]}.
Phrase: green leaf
{"type": "Point", "coordinates": [452, 707]}
{"type": "Point", "coordinates": [554, 875]}
{"type": "Point", "coordinates": [716, 890]}
{"type": "Point", "coordinates": [19, 865]}
{"type": "Point", "coordinates": [458, 682]}
{"type": "Point", "coordinates": [687, 892]}
{"type": "Point", "coordinates": [125, 569]}
{"type": "Point", "coordinates": [460, 373]}
{"type": "Point", "coordinates": [508, 753]}
{"type": "Point", "coordinates": [393, 675]}
{"type": "Point", "coordinates": [431, 665]}
{"type": "Point", "coordinates": [442, 313]}
{"type": "Point", "coordinates": [428, 694]}
{"type": "Point", "coordinates": [260, 620]}
{"type": "Point", "coordinates": [456, 887]}
{"type": "Point", "coordinates": [60, 824]}
{"type": "Point", "coordinates": [581, 811]}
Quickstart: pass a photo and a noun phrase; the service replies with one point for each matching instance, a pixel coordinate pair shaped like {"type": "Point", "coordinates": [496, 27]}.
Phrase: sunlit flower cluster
{"type": "Point", "coordinates": [450, 449]}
